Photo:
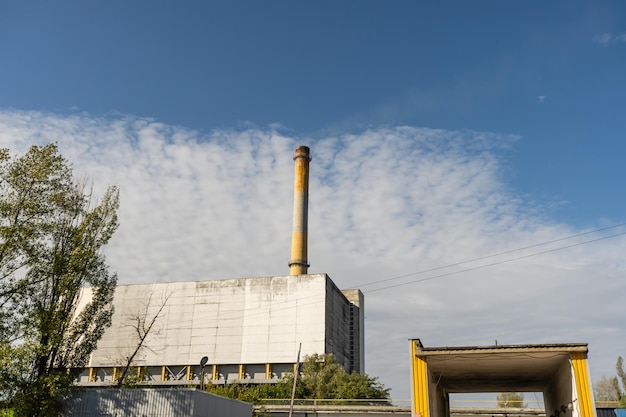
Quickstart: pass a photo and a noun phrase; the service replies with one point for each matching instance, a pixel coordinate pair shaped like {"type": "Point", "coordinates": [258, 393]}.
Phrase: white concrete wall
{"type": "Point", "coordinates": [235, 321]}
{"type": "Point", "coordinates": [561, 391]}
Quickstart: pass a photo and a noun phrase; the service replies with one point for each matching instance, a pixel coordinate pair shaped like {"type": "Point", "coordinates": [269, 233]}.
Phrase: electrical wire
{"type": "Point", "coordinates": [492, 256]}
{"type": "Point", "coordinates": [302, 302]}
{"type": "Point", "coordinates": [488, 265]}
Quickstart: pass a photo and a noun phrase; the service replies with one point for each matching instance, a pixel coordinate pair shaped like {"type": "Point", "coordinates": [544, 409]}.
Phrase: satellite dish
{"type": "Point", "coordinates": [204, 360]}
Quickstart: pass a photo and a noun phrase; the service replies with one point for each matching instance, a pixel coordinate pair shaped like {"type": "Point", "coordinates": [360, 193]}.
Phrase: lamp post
{"type": "Point", "coordinates": [203, 362]}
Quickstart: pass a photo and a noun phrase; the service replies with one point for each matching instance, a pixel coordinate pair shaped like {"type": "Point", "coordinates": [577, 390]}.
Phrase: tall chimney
{"type": "Point", "coordinates": [298, 265]}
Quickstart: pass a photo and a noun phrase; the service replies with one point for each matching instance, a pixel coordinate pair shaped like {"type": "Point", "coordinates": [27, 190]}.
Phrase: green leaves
{"type": "Point", "coordinates": [511, 400]}
{"type": "Point", "coordinates": [607, 390]}
{"type": "Point", "coordinates": [51, 240]}
{"type": "Point", "coordinates": [323, 377]}
{"type": "Point", "coordinates": [621, 373]}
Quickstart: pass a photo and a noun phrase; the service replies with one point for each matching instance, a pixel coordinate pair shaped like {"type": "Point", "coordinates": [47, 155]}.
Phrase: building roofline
{"type": "Point", "coordinates": [543, 347]}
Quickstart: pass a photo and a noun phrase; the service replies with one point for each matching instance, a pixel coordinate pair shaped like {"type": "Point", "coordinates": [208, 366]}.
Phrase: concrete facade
{"type": "Point", "coordinates": [249, 328]}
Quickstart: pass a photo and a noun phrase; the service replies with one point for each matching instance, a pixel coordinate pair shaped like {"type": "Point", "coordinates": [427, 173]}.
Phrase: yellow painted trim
{"type": "Point", "coordinates": [268, 371]}
{"type": "Point", "coordinates": [419, 382]}
{"type": "Point", "coordinates": [214, 375]}
{"type": "Point", "coordinates": [163, 373]}
{"type": "Point", "coordinates": [241, 371]}
{"type": "Point", "coordinates": [585, 400]}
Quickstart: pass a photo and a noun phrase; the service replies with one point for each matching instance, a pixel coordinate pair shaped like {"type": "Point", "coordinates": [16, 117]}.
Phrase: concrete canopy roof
{"type": "Point", "coordinates": [498, 368]}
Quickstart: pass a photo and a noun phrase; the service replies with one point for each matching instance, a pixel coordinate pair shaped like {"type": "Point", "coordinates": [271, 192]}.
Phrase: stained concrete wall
{"type": "Point", "coordinates": [340, 329]}
{"type": "Point", "coordinates": [249, 321]}
{"type": "Point", "coordinates": [561, 391]}
{"type": "Point", "coordinates": [357, 329]}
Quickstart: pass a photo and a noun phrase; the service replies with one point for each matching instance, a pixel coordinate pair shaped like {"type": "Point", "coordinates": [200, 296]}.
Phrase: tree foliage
{"type": "Point", "coordinates": [511, 400]}
{"type": "Point", "coordinates": [612, 389]}
{"type": "Point", "coordinates": [607, 390]}
{"type": "Point", "coordinates": [51, 240]}
{"type": "Point", "coordinates": [323, 377]}
{"type": "Point", "coordinates": [320, 377]}
{"type": "Point", "coordinates": [621, 373]}
{"type": "Point", "coordinates": [252, 393]}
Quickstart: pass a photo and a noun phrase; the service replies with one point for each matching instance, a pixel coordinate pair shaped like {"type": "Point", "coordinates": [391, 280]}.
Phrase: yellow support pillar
{"type": "Point", "coordinates": [268, 371]}
{"type": "Point", "coordinates": [189, 372]}
{"type": "Point", "coordinates": [163, 373]}
{"type": "Point", "coordinates": [242, 371]}
{"type": "Point", "coordinates": [419, 384]}
{"type": "Point", "coordinates": [581, 375]}
{"type": "Point", "coordinates": [92, 374]}
{"type": "Point", "coordinates": [214, 373]}
{"type": "Point", "coordinates": [114, 375]}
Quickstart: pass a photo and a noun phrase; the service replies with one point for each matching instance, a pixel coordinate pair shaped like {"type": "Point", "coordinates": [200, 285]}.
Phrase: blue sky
{"type": "Point", "coordinates": [535, 70]}
{"type": "Point", "coordinates": [441, 133]}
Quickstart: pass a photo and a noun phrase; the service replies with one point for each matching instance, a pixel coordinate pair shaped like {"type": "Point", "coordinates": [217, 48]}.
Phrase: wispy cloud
{"type": "Point", "coordinates": [607, 39]}
{"type": "Point", "coordinates": [385, 202]}
{"type": "Point", "coordinates": [541, 99]}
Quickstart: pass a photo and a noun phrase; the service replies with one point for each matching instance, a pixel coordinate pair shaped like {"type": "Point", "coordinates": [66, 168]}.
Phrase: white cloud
{"type": "Point", "coordinates": [383, 203]}
{"type": "Point", "coordinates": [607, 39]}
{"type": "Point", "coordinates": [541, 99]}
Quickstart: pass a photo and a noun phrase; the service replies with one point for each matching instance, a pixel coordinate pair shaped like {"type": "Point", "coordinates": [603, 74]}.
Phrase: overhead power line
{"type": "Point", "coordinates": [493, 256]}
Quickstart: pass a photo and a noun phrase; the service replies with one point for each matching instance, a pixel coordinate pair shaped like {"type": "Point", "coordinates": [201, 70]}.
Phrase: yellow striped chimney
{"type": "Point", "coordinates": [298, 265]}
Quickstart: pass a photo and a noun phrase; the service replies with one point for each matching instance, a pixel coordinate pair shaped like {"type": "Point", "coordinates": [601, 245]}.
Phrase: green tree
{"type": "Point", "coordinates": [607, 390]}
{"type": "Point", "coordinates": [511, 400]}
{"type": "Point", "coordinates": [323, 377]}
{"type": "Point", "coordinates": [612, 389]}
{"type": "Point", "coordinates": [621, 373]}
{"type": "Point", "coordinates": [51, 240]}
{"type": "Point", "coordinates": [361, 386]}
{"type": "Point", "coordinates": [252, 393]}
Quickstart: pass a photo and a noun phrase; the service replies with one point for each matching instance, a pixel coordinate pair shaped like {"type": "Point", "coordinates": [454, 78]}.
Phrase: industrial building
{"type": "Point", "coordinates": [247, 329]}
{"type": "Point", "coordinates": [250, 329]}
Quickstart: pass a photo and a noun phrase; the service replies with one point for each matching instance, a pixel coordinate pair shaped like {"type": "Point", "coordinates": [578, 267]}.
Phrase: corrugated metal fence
{"type": "Point", "coordinates": [154, 403]}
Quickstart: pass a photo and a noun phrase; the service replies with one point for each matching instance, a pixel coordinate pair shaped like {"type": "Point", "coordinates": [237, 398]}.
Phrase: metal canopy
{"type": "Point", "coordinates": [498, 368]}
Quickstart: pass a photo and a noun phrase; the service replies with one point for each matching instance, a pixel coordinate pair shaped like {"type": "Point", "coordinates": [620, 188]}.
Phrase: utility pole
{"type": "Point", "coordinates": [295, 380]}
